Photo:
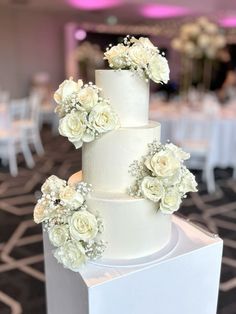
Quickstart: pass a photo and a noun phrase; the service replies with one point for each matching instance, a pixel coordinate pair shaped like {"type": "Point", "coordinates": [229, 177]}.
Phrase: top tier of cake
{"type": "Point", "coordinates": [128, 94]}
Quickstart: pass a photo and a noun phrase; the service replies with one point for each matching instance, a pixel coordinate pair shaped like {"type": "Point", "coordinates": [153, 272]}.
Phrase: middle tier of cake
{"type": "Point", "coordinates": [106, 161]}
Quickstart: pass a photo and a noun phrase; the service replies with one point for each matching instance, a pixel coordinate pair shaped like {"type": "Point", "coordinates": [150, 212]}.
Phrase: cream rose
{"type": "Point", "coordinates": [67, 88]}
{"type": "Point", "coordinates": [102, 119]}
{"type": "Point", "coordinates": [152, 189]}
{"type": "Point", "coordinates": [163, 164]}
{"type": "Point", "coordinates": [219, 41]}
{"type": "Point", "coordinates": [159, 69]}
{"type": "Point", "coordinates": [71, 255]}
{"type": "Point", "coordinates": [188, 183]}
{"type": "Point", "coordinates": [171, 201]}
{"type": "Point", "coordinates": [58, 235]}
{"type": "Point", "coordinates": [178, 152]}
{"type": "Point", "coordinates": [83, 226]}
{"type": "Point", "coordinates": [177, 44]}
{"type": "Point", "coordinates": [203, 40]}
{"type": "Point", "coordinates": [116, 56]}
{"type": "Point", "coordinates": [145, 42]}
{"type": "Point", "coordinates": [71, 198]}
{"type": "Point", "coordinates": [88, 97]}
{"type": "Point", "coordinates": [189, 48]}
{"type": "Point", "coordinates": [139, 55]}
{"type": "Point", "coordinates": [53, 185]}
{"type": "Point", "coordinates": [40, 212]}
{"type": "Point", "coordinates": [73, 126]}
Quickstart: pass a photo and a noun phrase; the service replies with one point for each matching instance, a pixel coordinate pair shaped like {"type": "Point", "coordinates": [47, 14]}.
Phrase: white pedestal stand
{"type": "Point", "coordinates": [184, 280]}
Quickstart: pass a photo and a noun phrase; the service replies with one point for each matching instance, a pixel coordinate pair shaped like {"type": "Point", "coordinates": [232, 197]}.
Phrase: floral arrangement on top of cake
{"type": "Point", "coordinates": [84, 114]}
{"type": "Point", "coordinates": [71, 227]}
{"type": "Point", "coordinates": [162, 178]}
{"type": "Point", "coordinates": [141, 56]}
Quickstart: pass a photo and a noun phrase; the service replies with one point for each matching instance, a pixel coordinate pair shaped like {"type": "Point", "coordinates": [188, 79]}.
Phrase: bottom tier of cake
{"type": "Point", "coordinates": [133, 228]}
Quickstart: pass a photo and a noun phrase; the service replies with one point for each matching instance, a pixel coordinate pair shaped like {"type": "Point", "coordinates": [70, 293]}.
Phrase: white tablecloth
{"type": "Point", "coordinates": [223, 139]}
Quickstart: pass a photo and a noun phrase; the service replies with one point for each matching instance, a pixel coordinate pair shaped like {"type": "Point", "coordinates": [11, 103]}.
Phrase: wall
{"type": "Point", "coordinates": [30, 41]}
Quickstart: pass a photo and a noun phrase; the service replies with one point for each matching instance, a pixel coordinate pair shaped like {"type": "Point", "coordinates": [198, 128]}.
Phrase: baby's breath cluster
{"type": "Point", "coordinates": [161, 177]}
{"type": "Point", "coordinates": [72, 228]}
{"type": "Point", "coordinates": [84, 113]}
{"type": "Point", "coordinates": [140, 56]}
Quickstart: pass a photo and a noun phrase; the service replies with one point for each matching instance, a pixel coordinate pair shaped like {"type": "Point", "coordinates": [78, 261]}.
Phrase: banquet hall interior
{"type": "Point", "coordinates": [44, 42]}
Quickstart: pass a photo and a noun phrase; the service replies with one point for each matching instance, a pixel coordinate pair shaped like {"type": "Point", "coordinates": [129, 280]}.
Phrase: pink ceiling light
{"type": "Point", "coordinates": [229, 22]}
{"type": "Point", "coordinates": [80, 34]}
{"type": "Point", "coordinates": [93, 4]}
{"type": "Point", "coordinates": [163, 11]}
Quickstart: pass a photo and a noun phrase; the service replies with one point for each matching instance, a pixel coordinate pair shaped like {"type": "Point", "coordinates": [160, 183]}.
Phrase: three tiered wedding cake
{"type": "Point", "coordinates": [131, 182]}
{"type": "Point", "coordinates": [134, 228]}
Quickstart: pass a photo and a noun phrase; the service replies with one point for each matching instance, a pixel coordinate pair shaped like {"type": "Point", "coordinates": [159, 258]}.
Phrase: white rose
{"type": "Point", "coordinates": [73, 126]}
{"type": "Point", "coordinates": [194, 30]}
{"type": "Point", "coordinates": [88, 136]}
{"type": "Point", "coordinates": [179, 153]}
{"type": "Point", "coordinates": [188, 183]}
{"type": "Point", "coordinates": [40, 212]}
{"type": "Point", "coordinates": [159, 69]}
{"type": "Point", "coordinates": [163, 164]}
{"type": "Point", "coordinates": [71, 198]}
{"type": "Point", "coordinates": [211, 28]}
{"type": "Point", "coordinates": [144, 41]}
{"type": "Point", "coordinates": [116, 56]}
{"type": "Point", "coordinates": [67, 88]}
{"type": "Point", "coordinates": [170, 202]}
{"type": "Point", "coordinates": [88, 97]}
{"type": "Point", "coordinates": [53, 185]}
{"type": "Point", "coordinates": [186, 29]}
{"type": "Point", "coordinates": [152, 189]}
{"type": "Point", "coordinates": [189, 48]}
{"type": "Point", "coordinates": [203, 41]}
{"type": "Point", "coordinates": [102, 118]}
{"type": "Point", "coordinates": [177, 44]}
{"type": "Point", "coordinates": [219, 41]}
{"type": "Point", "coordinates": [172, 180]}
{"type": "Point", "coordinates": [139, 55]}
{"type": "Point", "coordinates": [58, 235]}
{"type": "Point", "coordinates": [71, 255]}
{"type": "Point", "coordinates": [83, 226]}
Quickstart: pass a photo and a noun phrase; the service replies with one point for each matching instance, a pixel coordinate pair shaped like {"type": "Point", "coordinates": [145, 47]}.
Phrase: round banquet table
{"type": "Point", "coordinates": [223, 138]}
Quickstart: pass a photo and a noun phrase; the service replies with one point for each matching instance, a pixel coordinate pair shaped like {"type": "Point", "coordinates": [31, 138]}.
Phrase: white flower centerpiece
{"type": "Point", "coordinates": [72, 228]}
{"type": "Point", "coordinates": [141, 56]}
{"type": "Point", "coordinates": [162, 177]}
{"type": "Point", "coordinates": [198, 39]}
{"type": "Point", "coordinates": [84, 114]}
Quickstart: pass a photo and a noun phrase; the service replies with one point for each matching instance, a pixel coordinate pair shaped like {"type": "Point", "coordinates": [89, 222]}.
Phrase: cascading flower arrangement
{"type": "Point", "coordinates": [199, 39]}
{"type": "Point", "coordinates": [162, 177]}
{"type": "Point", "coordinates": [72, 228]}
{"type": "Point", "coordinates": [141, 56]}
{"type": "Point", "coordinates": [84, 114]}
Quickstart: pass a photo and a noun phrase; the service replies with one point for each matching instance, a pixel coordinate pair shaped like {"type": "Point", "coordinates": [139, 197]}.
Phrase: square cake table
{"type": "Point", "coordinates": [181, 279]}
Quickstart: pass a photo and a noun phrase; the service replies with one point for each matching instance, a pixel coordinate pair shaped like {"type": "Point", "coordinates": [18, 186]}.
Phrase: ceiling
{"type": "Point", "coordinates": [132, 11]}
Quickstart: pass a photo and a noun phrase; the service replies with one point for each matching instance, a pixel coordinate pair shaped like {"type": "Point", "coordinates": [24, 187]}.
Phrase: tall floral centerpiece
{"type": "Point", "coordinates": [199, 43]}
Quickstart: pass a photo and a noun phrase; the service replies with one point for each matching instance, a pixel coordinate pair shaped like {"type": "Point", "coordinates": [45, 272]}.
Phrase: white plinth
{"type": "Point", "coordinates": [184, 280]}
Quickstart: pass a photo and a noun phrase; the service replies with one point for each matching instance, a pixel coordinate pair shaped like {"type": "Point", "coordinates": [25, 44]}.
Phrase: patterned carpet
{"type": "Point", "coordinates": [22, 280]}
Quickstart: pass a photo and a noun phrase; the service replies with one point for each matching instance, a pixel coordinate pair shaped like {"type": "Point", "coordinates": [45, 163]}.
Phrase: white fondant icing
{"type": "Point", "coordinates": [132, 226]}
{"type": "Point", "coordinates": [106, 161]}
{"type": "Point", "coordinates": [128, 93]}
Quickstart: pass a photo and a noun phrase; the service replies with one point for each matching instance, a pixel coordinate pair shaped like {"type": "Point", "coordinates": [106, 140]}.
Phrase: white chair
{"type": "Point", "coordinates": [195, 134]}
{"type": "Point", "coordinates": [28, 121]}
{"type": "Point", "coordinates": [12, 142]}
